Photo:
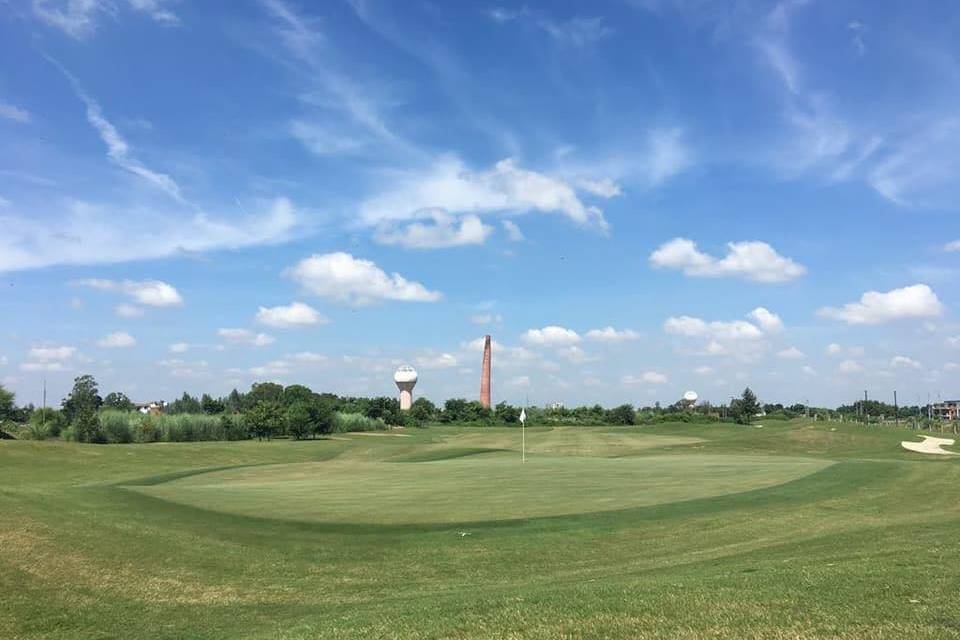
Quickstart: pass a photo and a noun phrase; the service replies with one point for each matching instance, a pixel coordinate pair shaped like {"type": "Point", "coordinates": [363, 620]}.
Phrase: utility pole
{"type": "Point", "coordinates": [866, 416]}
{"type": "Point", "coordinates": [43, 412]}
{"type": "Point", "coordinates": [896, 408]}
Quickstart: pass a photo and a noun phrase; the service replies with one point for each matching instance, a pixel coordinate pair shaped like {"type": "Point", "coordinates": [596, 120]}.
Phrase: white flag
{"type": "Point", "coordinates": [523, 416]}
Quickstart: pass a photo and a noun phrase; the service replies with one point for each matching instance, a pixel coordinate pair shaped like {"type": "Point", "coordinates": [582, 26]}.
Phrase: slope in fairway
{"type": "Point", "coordinates": [479, 488]}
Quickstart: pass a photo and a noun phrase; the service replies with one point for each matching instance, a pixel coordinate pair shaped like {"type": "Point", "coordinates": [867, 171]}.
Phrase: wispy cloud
{"type": "Point", "coordinates": [577, 31]}
{"type": "Point", "coordinates": [78, 18]}
{"type": "Point", "coordinates": [88, 233]}
{"type": "Point", "coordinates": [12, 112]}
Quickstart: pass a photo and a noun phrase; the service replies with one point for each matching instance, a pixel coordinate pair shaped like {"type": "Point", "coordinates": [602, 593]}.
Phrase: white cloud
{"type": "Point", "coordinates": [309, 357]}
{"type": "Point", "coordinates": [739, 338]}
{"type": "Point", "coordinates": [44, 366]}
{"type": "Point", "coordinates": [874, 307]}
{"type": "Point", "coordinates": [833, 349]}
{"type": "Point", "coordinates": [767, 321]}
{"type": "Point", "coordinates": [295, 314]}
{"type": "Point", "coordinates": [953, 342]}
{"type": "Point", "coordinates": [486, 318]}
{"type": "Point", "coordinates": [604, 187]}
{"type": "Point", "coordinates": [273, 369]}
{"type": "Point", "coordinates": [436, 361]}
{"type": "Point", "coordinates": [519, 381]}
{"type": "Point", "coordinates": [756, 261]}
{"type": "Point", "coordinates": [952, 246]}
{"type": "Point", "coordinates": [727, 331]}
{"type": "Point", "coordinates": [503, 355]}
{"type": "Point", "coordinates": [807, 369]}
{"type": "Point", "coordinates": [151, 293]}
{"type": "Point", "coordinates": [125, 310]}
{"type": "Point", "coordinates": [667, 155]}
{"type": "Point", "coordinates": [791, 353]}
{"type": "Point", "coordinates": [14, 113]}
{"type": "Point", "coordinates": [506, 188]}
{"type": "Point", "coordinates": [85, 233]}
{"type": "Point", "coordinates": [951, 366]}
{"type": "Point", "coordinates": [551, 336]}
{"type": "Point", "coordinates": [245, 336]}
{"type": "Point", "coordinates": [343, 278]}
{"type": "Point", "coordinates": [609, 334]}
{"type": "Point", "coordinates": [703, 370]}
{"type": "Point", "coordinates": [181, 369]}
{"type": "Point", "coordinates": [445, 231]}
{"type": "Point", "coordinates": [850, 366]}
{"type": "Point", "coordinates": [179, 347]}
{"type": "Point", "coordinates": [52, 353]}
{"type": "Point", "coordinates": [647, 377]}
{"type": "Point", "coordinates": [904, 362]}
{"type": "Point", "coordinates": [156, 9]}
{"type": "Point", "coordinates": [117, 340]}
{"type": "Point", "coordinates": [575, 354]}
{"type": "Point", "coordinates": [513, 231]}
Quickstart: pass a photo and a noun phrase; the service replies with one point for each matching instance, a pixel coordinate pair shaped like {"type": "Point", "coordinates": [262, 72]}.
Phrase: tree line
{"type": "Point", "coordinates": [269, 410]}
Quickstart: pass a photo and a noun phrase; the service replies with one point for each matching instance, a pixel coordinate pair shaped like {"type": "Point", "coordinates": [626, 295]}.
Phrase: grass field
{"type": "Point", "coordinates": [793, 530]}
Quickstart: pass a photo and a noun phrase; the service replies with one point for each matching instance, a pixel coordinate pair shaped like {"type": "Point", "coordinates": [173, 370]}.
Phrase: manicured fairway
{"type": "Point", "coordinates": [681, 531]}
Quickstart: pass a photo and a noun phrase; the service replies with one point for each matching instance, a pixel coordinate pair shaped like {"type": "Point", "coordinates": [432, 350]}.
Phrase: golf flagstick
{"type": "Point", "coordinates": [523, 434]}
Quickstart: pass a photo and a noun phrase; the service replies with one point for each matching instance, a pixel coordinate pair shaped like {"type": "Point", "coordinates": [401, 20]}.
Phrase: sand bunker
{"type": "Point", "coordinates": [930, 445]}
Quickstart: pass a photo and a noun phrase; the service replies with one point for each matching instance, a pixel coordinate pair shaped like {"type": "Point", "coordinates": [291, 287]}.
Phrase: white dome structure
{"type": "Point", "coordinates": [406, 378]}
{"type": "Point", "coordinates": [690, 398]}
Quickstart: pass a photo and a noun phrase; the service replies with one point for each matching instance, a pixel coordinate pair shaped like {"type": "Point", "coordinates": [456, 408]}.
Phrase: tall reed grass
{"type": "Point", "coordinates": [344, 422]}
{"type": "Point", "coordinates": [122, 427]}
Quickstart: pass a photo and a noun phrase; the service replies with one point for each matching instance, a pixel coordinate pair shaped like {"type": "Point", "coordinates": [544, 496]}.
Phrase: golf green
{"type": "Point", "coordinates": [492, 486]}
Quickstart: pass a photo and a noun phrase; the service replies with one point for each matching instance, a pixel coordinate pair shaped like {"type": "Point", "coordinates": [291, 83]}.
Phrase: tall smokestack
{"type": "Point", "coordinates": [485, 374]}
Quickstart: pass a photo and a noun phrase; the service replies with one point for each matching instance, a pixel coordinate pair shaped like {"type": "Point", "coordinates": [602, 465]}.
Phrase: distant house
{"type": "Point", "coordinates": [149, 408]}
{"type": "Point", "coordinates": [947, 410]}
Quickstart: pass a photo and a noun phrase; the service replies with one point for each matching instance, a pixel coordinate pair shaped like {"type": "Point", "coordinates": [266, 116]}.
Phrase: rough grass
{"type": "Point", "coordinates": [867, 547]}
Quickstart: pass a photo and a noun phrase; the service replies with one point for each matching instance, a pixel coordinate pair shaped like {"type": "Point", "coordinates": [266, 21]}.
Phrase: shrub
{"type": "Point", "coordinates": [69, 434]}
{"type": "Point", "coordinates": [344, 422]}
{"type": "Point", "coordinates": [35, 431]}
{"type": "Point", "coordinates": [116, 426]}
{"type": "Point", "coordinates": [87, 427]}
{"type": "Point", "coordinates": [145, 429]}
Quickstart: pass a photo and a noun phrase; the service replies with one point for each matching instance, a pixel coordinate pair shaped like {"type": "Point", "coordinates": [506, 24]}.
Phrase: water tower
{"type": "Point", "coordinates": [689, 399]}
{"type": "Point", "coordinates": [406, 379]}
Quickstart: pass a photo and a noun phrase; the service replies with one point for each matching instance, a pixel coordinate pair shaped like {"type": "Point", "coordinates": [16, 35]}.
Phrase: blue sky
{"type": "Point", "coordinates": [634, 198]}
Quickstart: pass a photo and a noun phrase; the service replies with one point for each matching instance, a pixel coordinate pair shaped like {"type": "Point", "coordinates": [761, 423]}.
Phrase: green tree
{"type": "Point", "coordinates": [185, 404]}
{"type": "Point", "coordinates": [210, 406]}
{"type": "Point", "coordinates": [264, 419]}
{"type": "Point", "coordinates": [84, 397]}
{"type": "Point", "coordinates": [7, 406]}
{"type": "Point", "coordinates": [422, 411]}
{"type": "Point", "coordinates": [624, 414]}
{"type": "Point", "coordinates": [233, 402]}
{"type": "Point", "coordinates": [296, 393]}
{"type": "Point", "coordinates": [298, 420]}
{"type": "Point", "coordinates": [263, 392]}
{"type": "Point", "coordinates": [746, 407]}
{"type": "Point", "coordinates": [506, 413]}
{"type": "Point", "coordinates": [117, 400]}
